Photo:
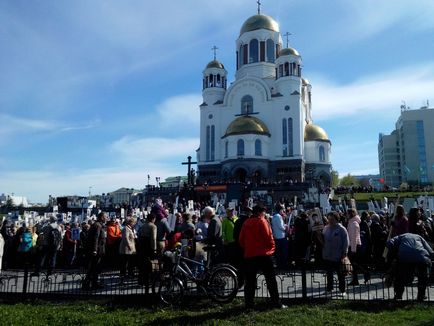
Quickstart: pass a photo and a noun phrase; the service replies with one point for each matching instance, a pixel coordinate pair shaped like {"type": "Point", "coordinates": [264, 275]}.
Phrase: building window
{"type": "Point", "coordinates": [270, 50]}
{"type": "Point", "coordinates": [247, 104]}
{"type": "Point", "coordinates": [245, 54]}
{"type": "Point", "coordinates": [284, 137]}
{"type": "Point", "coordinates": [258, 147]}
{"type": "Point", "coordinates": [240, 147]}
{"type": "Point", "coordinates": [321, 154]}
{"type": "Point", "coordinates": [290, 138]}
{"type": "Point", "coordinates": [208, 143]}
{"type": "Point", "coordinates": [253, 51]}
{"type": "Point", "coordinates": [226, 148]}
{"type": "Point", "coordinates": [262, 51]}
{"type": "Point", "coordinates": [212, 143]}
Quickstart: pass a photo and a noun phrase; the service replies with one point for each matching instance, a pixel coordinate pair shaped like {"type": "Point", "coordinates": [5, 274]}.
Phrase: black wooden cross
{"type": "Point", "coordinates": [189, 163]}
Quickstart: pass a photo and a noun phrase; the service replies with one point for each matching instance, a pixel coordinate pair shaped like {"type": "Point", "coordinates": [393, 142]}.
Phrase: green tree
{"type": "Point", "coordinates": [349, 180]}
{"type": "Point", "coordinates": [335, 178]}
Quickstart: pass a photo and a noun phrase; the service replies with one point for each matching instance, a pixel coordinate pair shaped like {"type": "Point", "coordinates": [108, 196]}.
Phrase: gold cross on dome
{"type": "Point", "coordinates": [259, 6]}
{"type": "Point", "coordinates": [214, 48]}
{"type": "Point", "coordinates": [287, 38]}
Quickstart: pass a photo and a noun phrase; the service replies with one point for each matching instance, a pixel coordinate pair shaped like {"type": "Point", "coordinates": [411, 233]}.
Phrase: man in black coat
{"type": "Point", "coordinates": [95, 250]}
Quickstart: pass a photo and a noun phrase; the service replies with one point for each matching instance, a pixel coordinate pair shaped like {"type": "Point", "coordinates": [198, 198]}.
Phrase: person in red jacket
{"type": "Point", "coordinates": [256, 239]}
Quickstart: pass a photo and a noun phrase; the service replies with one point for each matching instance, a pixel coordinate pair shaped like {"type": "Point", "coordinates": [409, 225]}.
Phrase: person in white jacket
{"type": "Point", "coordinates": [2, 247]}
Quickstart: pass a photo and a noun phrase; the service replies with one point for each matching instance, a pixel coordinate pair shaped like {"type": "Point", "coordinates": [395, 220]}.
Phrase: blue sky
{"type": "Point", "coordinates": [102, 93]}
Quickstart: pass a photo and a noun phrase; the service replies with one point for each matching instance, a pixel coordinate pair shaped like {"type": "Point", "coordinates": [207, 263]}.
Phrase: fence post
{"type": "Point", "coordinates": [26, 279]}
{"type": "Point", "coordinates": [303, 280]}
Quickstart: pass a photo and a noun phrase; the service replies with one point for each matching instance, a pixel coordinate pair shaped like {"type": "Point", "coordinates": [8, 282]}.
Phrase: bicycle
{"type": "Point", "coordinates": [219, 281]}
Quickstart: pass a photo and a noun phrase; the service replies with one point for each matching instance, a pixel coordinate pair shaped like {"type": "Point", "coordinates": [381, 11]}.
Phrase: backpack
{"type": "Point", "coordinates": [54, 238]}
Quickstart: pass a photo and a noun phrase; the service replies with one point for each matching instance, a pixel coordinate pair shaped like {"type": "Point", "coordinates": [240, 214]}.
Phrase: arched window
{"type": "Point", "coordinates": [208, 143]}
{"type": "Point", "coordinates": [245, 54]}
{"type": "Point", "coordinates": [218, 81]}
{"type": "Point", "coordinates": [284, 138]}
{"type": "Point", "coordinates": [290, 138]}
{"type": "Point", "coordinates": [321, 154]}
{"type": "Point", "coordinates": [286, 69]}
{"type": "Point", "coordinates": [253, 51]}
{"type": "Point", "coordinates": [280, 70]}
{"type": "Point", "coordinates": [240, 147]}
{"type": "Point", "coordinates": [226, 148]}
{"type": "Point", "coordinates": [246, 104]}
{"type": "Point", "coordinates": [211, 80]}
{"type": "Point", "coordinates": [212, 143]}
{"type": "Point", "coordinates": [270, 50]}
{"type": "Point", "coordinates": [258, 147]}
{"type": "Point", "coordinates": [262, 51]}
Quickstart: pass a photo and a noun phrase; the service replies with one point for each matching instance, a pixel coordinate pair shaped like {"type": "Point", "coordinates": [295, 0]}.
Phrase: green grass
{"type": "Point", "coordinates": [379, 196]}
{"type": "Point", "coordinates": [208, 313]}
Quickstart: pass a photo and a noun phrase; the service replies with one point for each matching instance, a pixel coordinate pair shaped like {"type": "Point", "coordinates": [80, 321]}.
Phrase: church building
{"type": "Point", "coordinates": [259, 127]}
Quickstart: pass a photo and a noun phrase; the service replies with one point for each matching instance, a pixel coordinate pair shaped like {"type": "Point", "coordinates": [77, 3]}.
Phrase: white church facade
{"type": "Point", "coordinates": [259, 128]}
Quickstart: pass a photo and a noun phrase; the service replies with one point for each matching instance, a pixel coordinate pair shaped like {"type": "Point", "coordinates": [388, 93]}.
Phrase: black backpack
{"type": "Point", "coordinates": [54, 238]}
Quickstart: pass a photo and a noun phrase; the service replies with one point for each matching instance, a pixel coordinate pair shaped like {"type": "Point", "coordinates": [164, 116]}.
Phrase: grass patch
{"type": "Point", "coordinates": [361, 196]}
{"type": "Point", "coordinates": [208, 313]}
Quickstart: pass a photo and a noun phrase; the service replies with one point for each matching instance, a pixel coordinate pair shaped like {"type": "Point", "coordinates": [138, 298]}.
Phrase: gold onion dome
{"type": "Point", "coordinates": [313, 132]}
{"type": "Point", "coordinates": [259, 22]}
{"type": "Point", "coordinates": [215, 64]}
{"type": "Point", "coordinates": [305, 81]}
{"type": "Point", "coordinates": [288, 51]}
{"type": "Point", "coordinates": [247, 125]}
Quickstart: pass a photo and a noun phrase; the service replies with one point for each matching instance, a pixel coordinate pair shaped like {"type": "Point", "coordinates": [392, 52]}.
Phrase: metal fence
{"type": "Point", "coordinates": [298, 283]}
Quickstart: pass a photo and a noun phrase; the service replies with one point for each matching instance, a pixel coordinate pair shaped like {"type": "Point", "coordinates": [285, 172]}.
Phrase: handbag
{"type": "Point", "coordinates": [346, 267]}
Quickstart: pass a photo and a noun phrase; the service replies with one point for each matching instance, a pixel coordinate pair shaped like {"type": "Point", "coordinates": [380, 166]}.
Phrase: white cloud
{"type": "Point", "coordinates": [153, 152]}
{"type": "Point", "coordinates": [180, 111]}
{"type": "Point", "coordinates": [373, 94]}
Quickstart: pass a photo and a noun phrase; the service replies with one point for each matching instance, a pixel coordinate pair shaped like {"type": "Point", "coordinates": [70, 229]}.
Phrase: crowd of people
{"type": "Point", "coordinates": [248, 238]}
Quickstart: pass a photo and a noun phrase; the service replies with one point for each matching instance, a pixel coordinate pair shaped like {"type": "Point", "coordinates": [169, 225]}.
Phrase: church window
{"type": "Point", "coordinates": [218, 81]}
{"type": "Point", "coordinates": [206, 82]}
{"type": "Point", "coordinates": [238, 61]}
{"type": "Point", "coordinates": [262, 51]}
{"type": "Point", "coordinates": [293, 69]}
{"type": "Point", "coordinates": [290, 138]}
{"type": "Point", "coordinates": [277, 50]}
{"type": "Point", "coordinates": [211, 80]}
{"type": "Point", "coordinates": [245, 54]}
{"type": "Point", "coordinates": [208, 143]}
{"type": "Point", "coordinates": [270, 50]}
{"type": "Point", "coordinates": [321, 154]}
{"type": "Point", "coordinates": [287, 107]}
{"type": "Point", "coordinates": [280, 71]}
{"type": "Point", "coordinates": [212, 143]}
{"type": "Point", "coordinates": [246, 104]}
{"type": "Point", "coordinates": [240, 147]}
{"type": "Point", "coordinates": [286, 69]}
{"type": "Point", "coordinates": [258, 147]}
{"type": "Point", "coordinates": [284, 137]}
{"type": "Point", "coordinates": [241, 55]}
{"type": "Point", "coordinates": [226, 148]}
{"type": "Point", "coordinates": [298, 70]}
{"type": "Point", "coordinates": [253, 51]}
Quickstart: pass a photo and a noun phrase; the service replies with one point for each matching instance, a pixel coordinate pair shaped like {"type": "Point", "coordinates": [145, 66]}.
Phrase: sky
{"type": "Point", "coordinates": [97, 95]}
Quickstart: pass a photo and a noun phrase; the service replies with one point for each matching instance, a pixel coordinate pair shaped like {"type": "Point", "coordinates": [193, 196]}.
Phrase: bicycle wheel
{"type": "Point", "coordinates": [223, 285]}
{"type": "Point", "coordinates": [170, 290]}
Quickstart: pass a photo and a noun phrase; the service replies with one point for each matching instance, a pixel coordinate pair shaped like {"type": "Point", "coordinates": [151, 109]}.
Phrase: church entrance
{"type": "Point", "coordinates": [240, 175]}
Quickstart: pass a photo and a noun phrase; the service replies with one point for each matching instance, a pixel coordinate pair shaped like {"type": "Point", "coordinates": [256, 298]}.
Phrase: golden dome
{"type": "Point", "coordinates": [259, 22]}
{"type": "Point", "coordinates": [288, 51]}
{"type": "Point", "coordinates": [215, 64]}
{"type": "Point", "coordinates": [247, 125]}
{"type": "Point", "coordinates": [305, 81]}
{"type": "Point", "coordinates": [313, 132]}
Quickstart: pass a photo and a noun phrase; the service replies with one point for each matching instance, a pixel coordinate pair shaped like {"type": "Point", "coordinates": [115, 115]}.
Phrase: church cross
{"type": "Point", "coordinates": [259, 6]}
{"type": "Point", "coordinates": [287, 38]}
{"type": "Point", "coordinates": [214, 48]}
{"type": "Point", "coordinates": [189, 163]}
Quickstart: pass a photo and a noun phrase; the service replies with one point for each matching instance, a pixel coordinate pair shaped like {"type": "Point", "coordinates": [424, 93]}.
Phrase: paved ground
{"type": "Point", "coordinates": [290, 286]}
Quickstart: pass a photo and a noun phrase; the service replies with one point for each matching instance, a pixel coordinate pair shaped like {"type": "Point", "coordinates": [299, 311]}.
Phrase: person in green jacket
{"type": "Point", "coordinates": [228, 224]}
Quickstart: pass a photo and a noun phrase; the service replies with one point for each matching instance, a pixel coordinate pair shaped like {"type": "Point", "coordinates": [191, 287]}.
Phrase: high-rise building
{"type": "Point", "coordinates": [259, 127]}
{"type": "Point", "coordinates": [407, 154]}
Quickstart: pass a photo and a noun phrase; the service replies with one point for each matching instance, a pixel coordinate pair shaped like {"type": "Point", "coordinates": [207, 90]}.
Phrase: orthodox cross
{"type": "Point", "coordinates": [259, 6]}
{"type": "Point", "coordinates": [189, 163]}
{"type": "Point", "coordinates": [287, 38]}
{"type": "Point", "coordinates": [214, 48]}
